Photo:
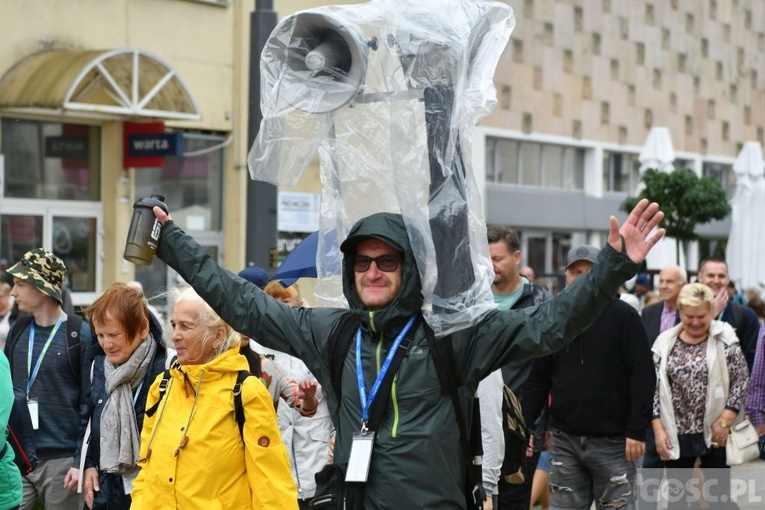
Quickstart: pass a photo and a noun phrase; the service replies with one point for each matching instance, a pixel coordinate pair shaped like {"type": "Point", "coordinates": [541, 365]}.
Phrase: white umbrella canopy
{"type": "Point", "coordinates": [658, 153]}
{"type": "Point", "coordinates": [746, 242]}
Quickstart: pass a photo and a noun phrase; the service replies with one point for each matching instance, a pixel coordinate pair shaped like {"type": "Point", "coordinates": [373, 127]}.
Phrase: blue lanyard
{"type": "Point", "coordinates": [33, 373]}
{"type": "Point", "coordinates": [137, 392]}
{"type": "Point", "coordinates": [366, 404]}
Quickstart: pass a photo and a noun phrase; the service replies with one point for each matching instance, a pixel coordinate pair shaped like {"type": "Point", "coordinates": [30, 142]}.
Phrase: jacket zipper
{"type": "Point", "coordinates": [394, 400]}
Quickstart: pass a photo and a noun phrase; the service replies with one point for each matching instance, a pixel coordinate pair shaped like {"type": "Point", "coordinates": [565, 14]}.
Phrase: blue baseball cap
{"type": "Point", "coordinates": [256, 275]}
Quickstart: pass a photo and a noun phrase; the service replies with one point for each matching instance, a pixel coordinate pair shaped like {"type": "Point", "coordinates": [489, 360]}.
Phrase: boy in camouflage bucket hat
{"type": "Point", "coordinates": [49, 353]}
{"type": "Point", "coordinates": [42, 269]}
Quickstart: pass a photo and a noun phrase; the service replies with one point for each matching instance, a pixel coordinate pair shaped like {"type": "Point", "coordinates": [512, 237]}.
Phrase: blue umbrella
{"type": "Point", "coordinates": [301, 262]}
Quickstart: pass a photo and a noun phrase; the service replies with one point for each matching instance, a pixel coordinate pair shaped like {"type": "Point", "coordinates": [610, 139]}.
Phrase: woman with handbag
{"type": "Point", "coordinates": [701, 384]}
{"type": "Point", "coordinates": [210, 440]}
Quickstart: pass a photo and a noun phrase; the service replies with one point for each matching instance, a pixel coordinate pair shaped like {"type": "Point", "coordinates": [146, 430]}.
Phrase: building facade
{"type": "Point", "coordinates": [579, 87]}
{"type": "Point", "coordinates": [91, 93]}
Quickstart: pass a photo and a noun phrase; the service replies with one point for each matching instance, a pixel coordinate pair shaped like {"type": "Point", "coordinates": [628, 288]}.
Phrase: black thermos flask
{"type": "Point", "coordinates": [143, 235]}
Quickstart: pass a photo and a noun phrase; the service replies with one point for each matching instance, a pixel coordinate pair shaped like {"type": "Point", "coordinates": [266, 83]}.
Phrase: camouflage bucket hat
{"type": "Point", "coordinates": [43, 269]}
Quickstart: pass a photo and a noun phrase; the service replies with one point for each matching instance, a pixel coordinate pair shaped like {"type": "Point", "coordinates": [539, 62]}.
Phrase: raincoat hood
{"type": "Point", "coordinates": [390, 229]}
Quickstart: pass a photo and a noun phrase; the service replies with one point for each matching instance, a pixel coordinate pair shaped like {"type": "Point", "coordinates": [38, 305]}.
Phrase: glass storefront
{"type": "Point", "coordinates": [54, 161]}
{"type": "Point", "coordinates": [51, 198]}
{"type": "Point", "coordinates": [192, 185]}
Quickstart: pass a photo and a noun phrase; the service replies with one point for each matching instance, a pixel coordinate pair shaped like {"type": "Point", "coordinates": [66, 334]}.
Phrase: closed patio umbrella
{"type": "Point", "coordinates": [746, 242]}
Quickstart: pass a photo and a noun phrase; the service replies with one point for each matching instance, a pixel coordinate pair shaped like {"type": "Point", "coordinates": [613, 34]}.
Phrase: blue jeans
{"type": "Point", "coordinates": [588, 468]}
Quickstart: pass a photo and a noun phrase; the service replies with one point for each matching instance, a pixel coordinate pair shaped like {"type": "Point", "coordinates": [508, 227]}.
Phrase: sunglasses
{"type": "Point", "coordinates": [385, 263]}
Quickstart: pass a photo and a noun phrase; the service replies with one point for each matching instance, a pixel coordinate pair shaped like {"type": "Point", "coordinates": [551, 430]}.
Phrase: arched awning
{"type": "Point", "coordinates": [126, 82]}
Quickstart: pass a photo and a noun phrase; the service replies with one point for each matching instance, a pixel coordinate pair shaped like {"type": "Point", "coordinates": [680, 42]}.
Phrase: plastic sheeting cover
{"type": "Point", "coordinates": [389, 92]}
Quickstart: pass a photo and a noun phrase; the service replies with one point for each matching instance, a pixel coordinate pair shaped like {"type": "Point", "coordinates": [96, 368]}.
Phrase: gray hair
{"type": "Point", "coordinates": [211, 321]}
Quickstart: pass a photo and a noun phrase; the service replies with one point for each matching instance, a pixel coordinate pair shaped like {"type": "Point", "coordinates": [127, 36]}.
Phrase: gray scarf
{"type": "Point", "coordinates": [120, 437]}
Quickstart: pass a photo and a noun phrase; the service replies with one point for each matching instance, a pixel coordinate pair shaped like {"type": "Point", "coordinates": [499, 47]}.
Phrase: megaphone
{"type": "Point", "coordinates": [323, 61]}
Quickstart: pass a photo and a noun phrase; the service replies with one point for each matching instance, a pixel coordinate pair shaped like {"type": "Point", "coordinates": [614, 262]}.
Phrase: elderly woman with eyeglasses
{"type": "Point", "coordinates": [701, 384]}
{"type": "Point", "coordinates": [193, 453]}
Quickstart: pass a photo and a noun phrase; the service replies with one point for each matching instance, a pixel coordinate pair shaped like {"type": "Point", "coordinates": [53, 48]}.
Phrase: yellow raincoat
{"type": "Point", "coordinates": [213, 470]}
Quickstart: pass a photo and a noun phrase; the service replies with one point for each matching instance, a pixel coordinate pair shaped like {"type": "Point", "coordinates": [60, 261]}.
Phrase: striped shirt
{"type": "Point", "coordinates": [668, 318]}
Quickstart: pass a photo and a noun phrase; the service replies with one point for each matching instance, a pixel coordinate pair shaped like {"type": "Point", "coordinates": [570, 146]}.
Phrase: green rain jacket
{"type": "Point", "coordinates": [10, 478]}
{"type": "Point", "coordinates": [418, 460]}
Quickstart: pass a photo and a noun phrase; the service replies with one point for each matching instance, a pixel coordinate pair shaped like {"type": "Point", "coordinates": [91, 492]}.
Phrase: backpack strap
{"type": "Point", "coordinates": [238, 406]}
{"type": "Point", "coordinates": [737, 319]}
{"type": "Point", "coordinates": [162, 389]}
{"type": "Point", "coordinates": [339, 344]}
{"type": "Point", "coordinates": [13, 336]}
{"type": "Point", "coordinates": [73, 348]}
{"type": "Point", "coordinates": [448, 376]}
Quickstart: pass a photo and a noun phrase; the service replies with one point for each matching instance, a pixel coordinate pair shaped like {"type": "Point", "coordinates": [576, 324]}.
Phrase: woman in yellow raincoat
{"type": "Point", "coordinates": [192, 454]}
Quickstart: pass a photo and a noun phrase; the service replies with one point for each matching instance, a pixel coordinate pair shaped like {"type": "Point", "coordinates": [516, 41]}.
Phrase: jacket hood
{"type": "Point", "coordinates": [389, 228]}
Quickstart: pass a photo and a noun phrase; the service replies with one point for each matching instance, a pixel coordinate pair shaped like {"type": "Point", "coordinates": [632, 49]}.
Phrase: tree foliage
{"type": "Point", "coordinates": [686, 199]}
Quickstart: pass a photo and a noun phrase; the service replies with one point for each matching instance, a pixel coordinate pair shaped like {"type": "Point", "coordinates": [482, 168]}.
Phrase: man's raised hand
{"type": "Point", "coordinates": [637, 230]}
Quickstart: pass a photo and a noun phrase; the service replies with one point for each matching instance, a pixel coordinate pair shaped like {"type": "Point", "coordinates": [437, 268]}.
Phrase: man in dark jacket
{"type": "Point", "coordinates": [659, 317]}
{"type": "Point", "coordinates": [417, 459]}
{"type": "Point", "coordinates": [713, 273]}
{"type": "Point", "coordinates": [514, 292]}
{"type": "Point", "coordinates": [601, 390]}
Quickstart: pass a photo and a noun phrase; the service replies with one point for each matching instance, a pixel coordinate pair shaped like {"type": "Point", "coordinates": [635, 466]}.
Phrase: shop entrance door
{"type": "Point", "coordinates": [73, 231]}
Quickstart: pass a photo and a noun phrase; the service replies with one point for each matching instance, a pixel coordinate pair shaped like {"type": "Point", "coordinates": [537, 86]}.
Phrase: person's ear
{"type": "Point", "coordinates": [220, 336]}
{"type": "Point", "coordinates": [145, 329]}
{"type": "Point", "coordinates": [517, 257]}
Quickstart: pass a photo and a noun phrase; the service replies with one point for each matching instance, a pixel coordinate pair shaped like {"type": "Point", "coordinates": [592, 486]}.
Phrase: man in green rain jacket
{"type": "Point", "coordinates": [417, 461]}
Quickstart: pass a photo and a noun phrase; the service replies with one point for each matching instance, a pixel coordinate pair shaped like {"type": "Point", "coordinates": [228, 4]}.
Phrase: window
{"type": "Point", "coordinates": [192, 185]}
{"type": "Point", "coordinates": [712, 248]}
{"type": "Point", "coordinates": [546, 253]}
{"type": "Point", "coordinates": [71, 234]}
{"type": "Point", "coordinates": [19, 233]}
{"type": "Point", "coordinates": [723, 173]}
{"type": "Point", "coordinates": [534, 164]}
{"type": "Point", "coordinates": [51, 160]}
{"type": "Point", "coordinates": [621, 172]}
{"type": "Point", "coordinates": [683, 164]}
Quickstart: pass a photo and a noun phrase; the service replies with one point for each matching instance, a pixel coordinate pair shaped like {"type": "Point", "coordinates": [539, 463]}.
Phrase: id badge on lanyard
{"type": "Point", "coordinates": [361, 457]}
{"type": "Point", "coordinates": [34, 412]}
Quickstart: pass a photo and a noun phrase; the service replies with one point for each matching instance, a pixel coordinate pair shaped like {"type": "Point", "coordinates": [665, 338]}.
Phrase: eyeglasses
{"type": "Point", "coordinates": [385, 263]}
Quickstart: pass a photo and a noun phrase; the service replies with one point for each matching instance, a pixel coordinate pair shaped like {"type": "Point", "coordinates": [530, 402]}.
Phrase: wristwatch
{"type": "Point", "coordinates": [724, 423]}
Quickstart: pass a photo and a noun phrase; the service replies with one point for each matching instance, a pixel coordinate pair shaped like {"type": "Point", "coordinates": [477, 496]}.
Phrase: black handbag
{"type": "Point", "coordinates": [332, 491]}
